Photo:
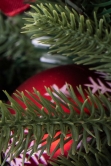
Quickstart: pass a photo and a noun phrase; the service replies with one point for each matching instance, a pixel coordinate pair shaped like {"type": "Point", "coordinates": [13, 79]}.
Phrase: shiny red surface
{"type": "Point", "coordinates": [13, 7]}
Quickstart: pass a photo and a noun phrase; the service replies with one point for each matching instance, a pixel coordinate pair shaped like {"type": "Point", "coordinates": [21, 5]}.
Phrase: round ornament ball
{"type": "Point", "coordinates": [57, 78]}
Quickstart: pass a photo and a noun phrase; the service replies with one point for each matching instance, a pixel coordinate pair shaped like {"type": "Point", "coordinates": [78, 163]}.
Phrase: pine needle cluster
{"type": "Point", "coordinates": [90, 130]}
{"type": "Point", "coordinates": [86, 40]}
{"type": "Point", "coordinates": [81, 30]}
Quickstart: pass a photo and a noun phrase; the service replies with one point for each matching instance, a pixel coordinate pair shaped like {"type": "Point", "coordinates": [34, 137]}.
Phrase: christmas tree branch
{"type": "Point", "coordinates": [94, 157]}
{"type": "Point", "coordinates": [87, 8]}
{"type": "Point", "coordinates": [72, 34]}
{"type": "Point", "coordinates": [88, 119]}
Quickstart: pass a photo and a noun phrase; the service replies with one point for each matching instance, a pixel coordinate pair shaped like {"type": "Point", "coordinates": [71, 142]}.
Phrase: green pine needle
{"type": "Point", "coordinates": [71, 34]}
{"type": "Point", "coordinates": [92, 122]}
{"type": "Point", "coordinates": [94, 157]}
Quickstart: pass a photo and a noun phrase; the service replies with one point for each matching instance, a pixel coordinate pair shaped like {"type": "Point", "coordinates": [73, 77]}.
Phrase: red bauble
{"type": "Point", "coordinates": [13, 7]}
{"type": "Point", "coordinates": [57, 78]}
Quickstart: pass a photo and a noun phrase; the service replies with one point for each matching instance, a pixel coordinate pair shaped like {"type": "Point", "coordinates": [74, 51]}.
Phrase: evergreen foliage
{"type": "Point", "coordinates": [81, 30]}
{"type": "Point", "coordinates": [71, 34]}
{"type": "Point", "coordinates": [86, 7]}
{"type": "Point", "coordinates": [94, 157]}
{"type": "Point", "coordinates": [92, 122]}
{"type": "Point", "coordinates": [17, 54]}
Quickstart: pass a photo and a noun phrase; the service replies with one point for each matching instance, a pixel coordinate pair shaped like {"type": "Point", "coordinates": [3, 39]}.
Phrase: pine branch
{"type": "Point", "coordinates": [94, 157]}
{"type": "Point", "coordinates": [93, 122]}
{"type": "Point", "coordinates": [103, 9]}
{"type": "Point", "coordinates": [76, 4]}
{"type": "Point", "coordinates": [71, 34]}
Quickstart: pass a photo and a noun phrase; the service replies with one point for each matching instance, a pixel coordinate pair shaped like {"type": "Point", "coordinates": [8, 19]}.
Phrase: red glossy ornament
{"type": "Point", "coordinates": [13, 7]}
{"type": "Point", "coordinates": [57, 78]}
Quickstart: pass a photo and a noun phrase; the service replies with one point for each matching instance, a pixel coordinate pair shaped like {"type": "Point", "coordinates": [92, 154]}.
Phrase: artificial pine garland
{"type": "Point", "coordinates": [86, 40]}
{"type": "Point", "coordinates": [87, 37]}
{"type": "Point", "coordinates": [95, 125]}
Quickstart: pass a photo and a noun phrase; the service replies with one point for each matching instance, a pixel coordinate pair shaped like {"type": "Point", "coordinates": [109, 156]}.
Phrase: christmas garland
{"type": "Point", "coordinates": [91, 131]}
{"type": "Point", "coordinates": [72, 34]}
{"type": "Point", "coordinates": [86, 38]}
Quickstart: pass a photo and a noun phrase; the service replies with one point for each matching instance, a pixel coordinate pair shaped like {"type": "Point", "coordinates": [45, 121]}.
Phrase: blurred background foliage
{"type": "Point", "coordinates": [17, 54]}
{"type": "Point", "coordinates": [19, 58]}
